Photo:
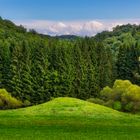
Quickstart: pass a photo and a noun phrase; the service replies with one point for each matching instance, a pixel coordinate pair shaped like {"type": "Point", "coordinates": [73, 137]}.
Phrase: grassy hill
{"type": "Point", "coordinates": [68, 119]}
{"type": "Point", "coordinates": [66, 106]}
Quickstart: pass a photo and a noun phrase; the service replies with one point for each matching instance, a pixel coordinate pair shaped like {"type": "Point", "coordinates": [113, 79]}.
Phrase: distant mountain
{"type": "Point", "coordinates": [68, 37]}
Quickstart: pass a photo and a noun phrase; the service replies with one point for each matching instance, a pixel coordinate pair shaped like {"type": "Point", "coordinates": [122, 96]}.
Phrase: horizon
{"type": "Point", "coordinates": [81, 17]}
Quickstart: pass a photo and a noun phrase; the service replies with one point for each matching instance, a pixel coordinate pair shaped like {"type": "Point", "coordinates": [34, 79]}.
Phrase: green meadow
{"type": "Point", "coordinates": [68, 119]}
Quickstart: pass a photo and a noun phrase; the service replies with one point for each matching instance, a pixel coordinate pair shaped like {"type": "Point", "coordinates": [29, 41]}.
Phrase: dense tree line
{"type": "Point", "coordinates": [36, 67]}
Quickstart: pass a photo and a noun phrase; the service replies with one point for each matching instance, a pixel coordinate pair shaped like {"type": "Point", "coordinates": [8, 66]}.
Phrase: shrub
{"type": "Point", "coordinates": [123, 96]}
{"type": "Point", "coordinates": [1, 103]}
{"type": "Point", "coordinates": [119, 88]}
{"type": "Point", "coordinates": [129, 107]}
{"type": "Point", "coordinates": [7, 101]}
{"type": "Point", "coordinates": [121, 85]}
{"type": "Point", "coordinates": [132, 93]}
{"type": "Point", "coordinates": [106, 93]}
{"type": "Point", "coordinates": [117, 105]}
{"type": "Point", "coordinates": [136, 107]}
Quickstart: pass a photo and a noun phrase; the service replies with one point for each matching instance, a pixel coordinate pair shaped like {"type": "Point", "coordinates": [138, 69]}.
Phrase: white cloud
{"type": "Point", "coordinates": [82, 28]}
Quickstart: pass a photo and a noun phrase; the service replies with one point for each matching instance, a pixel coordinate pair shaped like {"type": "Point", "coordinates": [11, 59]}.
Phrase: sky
{"type": "Point", "coordinates": [79, 17]}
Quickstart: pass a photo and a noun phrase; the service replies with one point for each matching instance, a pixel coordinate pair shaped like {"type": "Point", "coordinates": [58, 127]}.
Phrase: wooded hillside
{"type": "Point", "coordinates": [36, 67]}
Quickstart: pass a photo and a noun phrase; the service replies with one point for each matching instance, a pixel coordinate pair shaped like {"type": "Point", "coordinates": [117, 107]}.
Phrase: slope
{"type": "Point", "coordinates": [68, 119]}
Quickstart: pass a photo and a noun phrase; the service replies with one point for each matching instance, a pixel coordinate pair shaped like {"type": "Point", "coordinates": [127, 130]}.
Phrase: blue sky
{"type": "Point", "coordinates": [70, 9]}
{"type": "Point", "coordinates": [67, 12]}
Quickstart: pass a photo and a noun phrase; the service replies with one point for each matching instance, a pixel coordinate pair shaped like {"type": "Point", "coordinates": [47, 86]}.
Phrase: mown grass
{"type": "Point", "coordinates": [68, 119]}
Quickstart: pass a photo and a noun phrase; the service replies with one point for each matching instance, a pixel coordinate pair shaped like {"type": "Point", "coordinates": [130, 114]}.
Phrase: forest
{"type": "Point", "coordinates": [36, 68]}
